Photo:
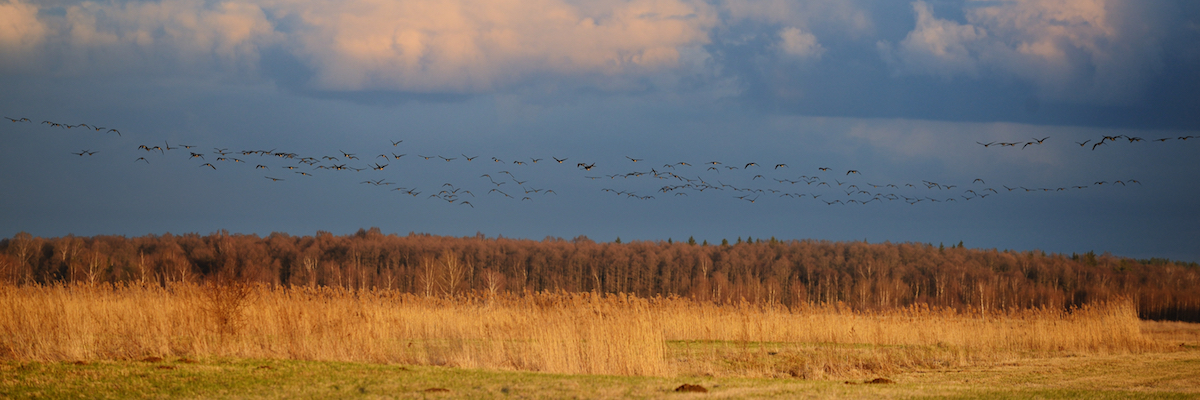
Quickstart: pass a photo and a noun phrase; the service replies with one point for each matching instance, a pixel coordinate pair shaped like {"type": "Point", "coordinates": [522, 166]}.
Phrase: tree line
{"type": "Point", "coordinates": [792, 273]}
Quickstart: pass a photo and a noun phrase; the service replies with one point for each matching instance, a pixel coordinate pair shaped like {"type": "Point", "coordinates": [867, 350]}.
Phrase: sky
{"type": "Point", "coordinates": [1061, 126]}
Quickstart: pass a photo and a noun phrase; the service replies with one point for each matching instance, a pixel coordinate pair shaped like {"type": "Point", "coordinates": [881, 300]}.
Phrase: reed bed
{"type": "Point", "coordinates": [553, 332]}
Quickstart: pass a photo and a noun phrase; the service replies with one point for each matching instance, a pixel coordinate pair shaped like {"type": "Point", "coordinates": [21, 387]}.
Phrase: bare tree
{"type": "Point", "coordinates": [454, 272]}
{"type": "Point", "coordinates": [429, 275]}
{"type": "Point", "coordinates": [493, 281]}
{"type": "Point", "coordinates": [310, 269]}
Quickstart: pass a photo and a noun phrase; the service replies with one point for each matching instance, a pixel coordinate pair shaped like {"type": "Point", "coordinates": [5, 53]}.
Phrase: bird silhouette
{"type": "Point", "coordinates": [273, 179]}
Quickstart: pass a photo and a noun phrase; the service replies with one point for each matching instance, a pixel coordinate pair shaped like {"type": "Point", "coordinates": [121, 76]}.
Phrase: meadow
{"type": "Point", "coordinates": [566, 333]}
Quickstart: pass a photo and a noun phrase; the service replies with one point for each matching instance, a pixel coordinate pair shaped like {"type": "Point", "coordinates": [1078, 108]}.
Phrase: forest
{"type": "Point", "coordinates": [770, 272]}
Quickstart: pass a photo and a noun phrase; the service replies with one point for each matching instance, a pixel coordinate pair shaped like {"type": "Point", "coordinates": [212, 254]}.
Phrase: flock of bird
{"type": "Point", "coordinates": [671, 179]}
{"type": "Point", "coordinates": [1102, 141]}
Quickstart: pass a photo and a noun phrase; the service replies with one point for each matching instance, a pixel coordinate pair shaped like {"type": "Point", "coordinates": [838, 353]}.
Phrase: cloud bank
{"type": "Point", "coordinates": [1098, 52]}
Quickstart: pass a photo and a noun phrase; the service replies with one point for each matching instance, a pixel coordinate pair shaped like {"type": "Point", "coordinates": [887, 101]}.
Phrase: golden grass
{"type": "Point", "coordinates": [561, 333]}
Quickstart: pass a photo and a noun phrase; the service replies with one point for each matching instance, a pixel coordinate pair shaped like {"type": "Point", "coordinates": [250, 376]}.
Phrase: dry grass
{"type": "Point", "coordinates": [562, 333]}
{"type": "Point", "coordinates": [1184, 334]}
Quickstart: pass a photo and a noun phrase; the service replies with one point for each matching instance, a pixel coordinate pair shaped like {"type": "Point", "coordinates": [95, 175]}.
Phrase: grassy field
{"type": "Point", "coordinates": [1153, 375]}
{"type": "Point", "coordinates": [191, 341]}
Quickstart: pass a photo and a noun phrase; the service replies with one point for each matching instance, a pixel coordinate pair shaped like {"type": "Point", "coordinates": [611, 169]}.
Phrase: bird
{"type": "Point", "coordinates": [142, 159]}
{"type": "Point", "coordinates": [749, 164]}
{"type": "Point", "coordinates": [84, 153]}
{"type": "Point", "coordinates": [273, 179]}
{"type": "Point", "coordinates": [559, 160]}
{"type": "Point", "coordinates": [1083, 143]}
{"type": "Point", "coordinates": [986, 144]}
{"type": "Point", "coordinates": [979, 180]}
{"type": "Point", "coordinates": [114, 130]}
{"type": "Point", "coordinates": [780, 165]}
{"type": "Point", "coordinates": [260, 166]}
{"type": "Point", "coordinates": [469, 158]}
{"type": "Point", "coordinates": [397, 156]}
{"type": "Point", "coordinates": [853, 171]}
{"type": "Point", "coordinates": [823, 168]}
{"type": "Point", "coordinates": [208, 165]}
{"type": "Point", "coordinates": [1039, 141]}
{"type": "Point", "coordinates": [395, 142]}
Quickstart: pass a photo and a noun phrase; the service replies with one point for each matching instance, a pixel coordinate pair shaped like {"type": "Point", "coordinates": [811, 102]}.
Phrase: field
{"type": "Point", "coordinates": [255, 341]}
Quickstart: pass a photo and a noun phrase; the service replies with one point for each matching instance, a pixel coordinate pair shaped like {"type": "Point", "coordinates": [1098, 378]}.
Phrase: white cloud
{"type": "Point", "coordinates": [20, 31]}
{"type": "Point", "coordinates": [936, 46]}
{"type": "Point", "coordinates": [1089, 50]}
{"type": "Point", "coordinates": [479, 45]}
{"type": "Point", "coordinates": [410, 45]}
{"type": "Point", "coordinates": [796, 43]}
{"type": "Point", "coordinates": [171, 36]}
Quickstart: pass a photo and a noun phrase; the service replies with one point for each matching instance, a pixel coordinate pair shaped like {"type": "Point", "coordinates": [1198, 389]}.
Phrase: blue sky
{"type": "Point", "coordinates": [904, 93]}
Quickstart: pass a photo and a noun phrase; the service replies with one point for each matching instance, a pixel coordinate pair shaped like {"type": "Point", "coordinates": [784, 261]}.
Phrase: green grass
{"type": "Point", "coordinates": [1165, 375]}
